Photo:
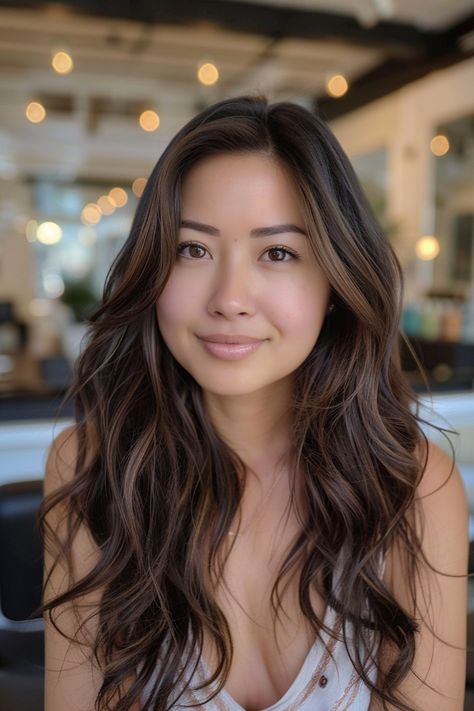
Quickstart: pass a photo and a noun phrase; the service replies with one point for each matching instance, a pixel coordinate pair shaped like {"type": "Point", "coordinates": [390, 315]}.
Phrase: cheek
{"type": "Point", "coordinates": [176, 301]}
{"type": "Point", "coordinates": [167, 308]}
{"type": "Point", "coordinates": [299, 310]}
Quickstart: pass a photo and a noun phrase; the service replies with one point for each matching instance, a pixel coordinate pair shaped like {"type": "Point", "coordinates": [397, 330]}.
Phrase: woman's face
{"type": "Point", "coordinates": [229, 282]}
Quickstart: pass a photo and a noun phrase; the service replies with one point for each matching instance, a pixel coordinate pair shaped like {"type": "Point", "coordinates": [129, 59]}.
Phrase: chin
{"type": "Point", "coordinates": [233, 384]}
{"type": "Point", "coordinates": [230, 387]}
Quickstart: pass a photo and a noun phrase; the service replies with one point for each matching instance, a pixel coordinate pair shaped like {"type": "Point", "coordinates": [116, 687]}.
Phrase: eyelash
{"type": "Point", "coordinates": [278, 248]}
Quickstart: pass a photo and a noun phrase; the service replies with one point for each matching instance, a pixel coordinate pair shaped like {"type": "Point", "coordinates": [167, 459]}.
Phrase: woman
{"type": "Point", "coordinates": [236, 520]}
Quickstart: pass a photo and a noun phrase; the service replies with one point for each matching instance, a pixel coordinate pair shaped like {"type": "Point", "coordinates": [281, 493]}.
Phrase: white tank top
{"type": "Point", "coordinates": [322, 683]}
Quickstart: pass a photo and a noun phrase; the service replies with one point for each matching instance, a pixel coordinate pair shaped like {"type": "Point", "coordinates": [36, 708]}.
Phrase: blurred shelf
{"type": "Point", "coordinates": [34, 406]}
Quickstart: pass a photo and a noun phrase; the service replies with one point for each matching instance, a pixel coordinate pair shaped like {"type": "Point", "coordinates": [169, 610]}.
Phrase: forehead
{"type": "Point", "coordinates": [248, 178]}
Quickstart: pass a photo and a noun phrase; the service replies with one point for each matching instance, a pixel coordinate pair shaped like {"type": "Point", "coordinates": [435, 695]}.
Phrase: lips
{"type": "Point", "coordinates": [229, 348]}
{"type": "Point", "coordinates": [230, 339]}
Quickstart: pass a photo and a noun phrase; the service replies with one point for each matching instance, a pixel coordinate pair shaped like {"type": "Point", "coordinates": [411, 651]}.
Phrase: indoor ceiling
{"type": "Point", "coordinates": [130, 56]}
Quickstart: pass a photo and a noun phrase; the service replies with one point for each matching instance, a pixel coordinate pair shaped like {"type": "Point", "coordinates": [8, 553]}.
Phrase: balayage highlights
{"type": "Point", "coordinates": [158, 488]}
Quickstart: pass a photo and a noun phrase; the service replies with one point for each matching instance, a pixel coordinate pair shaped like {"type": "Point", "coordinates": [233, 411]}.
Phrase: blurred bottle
{"type": "Point", "coordinates": [411, 318]}
{"type": "Point", "coordinates": [467, 331]}
{"type": "Point", "coordinates": [430, 320]}
{"type": "Point", "coordinates": [452, 322]}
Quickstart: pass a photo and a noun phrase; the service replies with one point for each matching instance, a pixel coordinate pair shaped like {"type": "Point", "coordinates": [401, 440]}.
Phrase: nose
{"type": "Point", "coordinates": [232, 291]}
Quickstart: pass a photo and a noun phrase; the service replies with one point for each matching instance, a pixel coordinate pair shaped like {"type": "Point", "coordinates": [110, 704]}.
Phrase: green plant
{"type": "Point", "coordinates": [80, 296]}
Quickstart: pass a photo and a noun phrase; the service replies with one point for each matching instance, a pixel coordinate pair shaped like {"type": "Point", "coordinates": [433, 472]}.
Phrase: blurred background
{"type": "Point", "coordinates": [91, 93]}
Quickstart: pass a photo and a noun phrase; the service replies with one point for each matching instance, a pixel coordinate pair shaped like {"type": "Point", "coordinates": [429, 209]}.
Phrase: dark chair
{"type": "Point", "coordinates": [469, 699]}
{"type": "Point", "coordinates": [21, 566]}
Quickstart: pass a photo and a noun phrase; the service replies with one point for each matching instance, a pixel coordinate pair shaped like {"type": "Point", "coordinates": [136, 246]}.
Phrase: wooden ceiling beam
{"type": "Point", "coordinates": [250, 18]}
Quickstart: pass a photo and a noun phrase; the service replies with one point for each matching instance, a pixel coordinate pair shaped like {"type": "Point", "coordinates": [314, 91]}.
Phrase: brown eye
{"type": "Point", "coordinates": [194, 250]}
{"type": "Point", "coordinates": [194, 246]}
{"type": "Point", "coordinates": [283, 251]}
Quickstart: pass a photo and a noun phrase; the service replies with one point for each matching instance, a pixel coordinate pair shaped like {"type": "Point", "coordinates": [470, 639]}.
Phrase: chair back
{"type": "Point", "coordinates": [21, 574]}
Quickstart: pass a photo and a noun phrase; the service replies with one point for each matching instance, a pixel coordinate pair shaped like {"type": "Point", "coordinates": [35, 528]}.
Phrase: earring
{"type": "Point", "coordinates": [331, 308]}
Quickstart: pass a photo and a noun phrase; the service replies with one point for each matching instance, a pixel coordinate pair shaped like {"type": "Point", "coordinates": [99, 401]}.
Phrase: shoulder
{"type": "Point", "coordinates": [440, 469]}
{"type": "Point", "coordinates": [59, 472]}
{"type": "Point", "coordinates": [443, 503]}
{"type": "Point", "coordinates": [440, 517]}
{"type": "Point", "coordinates": [70, 672]}
{"type": "Point", "coordinates": [441, 521]}
{"type": "Point", "coordinates": [441, 511]}
{"type": "Point", "coordinates": [61, 458]}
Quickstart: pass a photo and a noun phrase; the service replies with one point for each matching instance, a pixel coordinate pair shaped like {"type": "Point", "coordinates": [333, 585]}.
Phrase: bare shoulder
{"type": "Point", "coordinates": [59, 470]}
{"type": "Point", "coordinates": [444, 505]}
{"type": "Point", "coordinates": [440, 470]}
{"type": "Point", "coordinates": [70, 680]}
{"type": "Point", "coordinates": [61, 459]}
{"type": "Point", "coordinates": [441, 587]}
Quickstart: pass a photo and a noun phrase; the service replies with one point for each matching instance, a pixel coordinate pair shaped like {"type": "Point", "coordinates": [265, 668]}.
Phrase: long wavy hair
{"type": "Point", "coordinates": [157, 486]}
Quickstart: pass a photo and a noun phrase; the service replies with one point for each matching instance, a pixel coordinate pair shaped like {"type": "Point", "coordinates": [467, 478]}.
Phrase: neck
{"type": "Point", "coordinates": [257, 425]}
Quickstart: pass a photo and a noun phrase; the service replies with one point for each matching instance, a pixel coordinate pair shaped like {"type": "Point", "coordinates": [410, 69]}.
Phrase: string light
{"type": "Point", "coordinates": [138, 186]}
{"type": "Point", "coordinates": [35, 112]}
{"type": "Point", "coordinates": [91, 214]}
{"type": "Point", "coordinates": [149, 120]}
{"type": "Point", "coordinates": [49, 233]}
{"type": "Point", "coordinates": [105, 205]}
{"type": "Point", "coordinates": [427, 247]}
{"type": "Point", "coordinates": [337, 85]}
{"type": "Point", "coordinates": [62, 62]}
{"type": "Point", "coordinates": [208, 74]}
{"type": "Point", "coordinates": [118, 196]}
{"type": "Point", "coordinates": [439, 145]}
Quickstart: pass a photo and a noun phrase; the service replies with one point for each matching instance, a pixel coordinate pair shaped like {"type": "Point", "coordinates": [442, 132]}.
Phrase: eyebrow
{"type": "Point", "coordinates": [256, 232]}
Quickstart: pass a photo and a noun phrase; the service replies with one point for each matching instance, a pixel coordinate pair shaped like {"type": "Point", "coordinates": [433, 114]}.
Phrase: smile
{"type": "Point", "coordinates": [230, 351]}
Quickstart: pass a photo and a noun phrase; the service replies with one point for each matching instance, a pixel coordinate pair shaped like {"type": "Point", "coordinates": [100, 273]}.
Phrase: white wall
{"type": "Point", "coordinates": [404, 122]}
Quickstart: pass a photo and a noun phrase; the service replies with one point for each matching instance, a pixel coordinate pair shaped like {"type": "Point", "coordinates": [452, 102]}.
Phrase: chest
{"type": "Point", "coordinates": [268, 652]}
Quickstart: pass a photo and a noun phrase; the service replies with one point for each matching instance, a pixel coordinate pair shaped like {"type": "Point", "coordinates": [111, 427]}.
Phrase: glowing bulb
{"type": "Point", "coordinates": [106, 205]}
{"type": "Point", "coordinates": [439, 145]}
{"type": "Point", "coordinates": [62, 62]}
{"type": "Point", "coordinates": [91, 214]}
{"type": "Point", "coordinates": [337, 85]}
{"type": "Point", "coordinates": [149, 120]}
{"type": "Point", "coordinates": [138, 186]}
{"type": "Point", "coordinates": [118, 196]}
{"type": "Point", "coordinates": [208, 74]}
{"type": "Point", "coordinates": [35, 112]}
{"type": "Point", "coordinates": [48, 233]}
{"type": "Point", "coordinates": [427, 247]}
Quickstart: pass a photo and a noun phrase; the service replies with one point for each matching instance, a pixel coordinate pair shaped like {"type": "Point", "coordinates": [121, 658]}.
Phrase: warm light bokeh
{"type": "Point", "coordinates": [35, 112]}
{"type": "Point", "coordinates": [427, 247]}
{"type": "Point", "coordinates": [118, 196]}
{"type": "Point", "coordinates": [105, 204]}
{"type": "Point", "coordinates": [91, 214]}
{"type": "Point", "coordinates": [62, 62]}
{"type": "Point", "coordinates": [439, 145]}
{"type": "Point", "coordinates": [337, 85]}
{"type": "Point", "coordinates": [149, 120]}
{"type": "Point", "coordinates": [208, 74]}
{"type": "Point", "coordinates": [138, 186]}
{"type": "Point", "coordinates": [49, 233]}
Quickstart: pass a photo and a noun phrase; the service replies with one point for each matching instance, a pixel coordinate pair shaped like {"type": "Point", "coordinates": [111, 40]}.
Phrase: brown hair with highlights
{"type": "Point", "coordinates": [158, 488]}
